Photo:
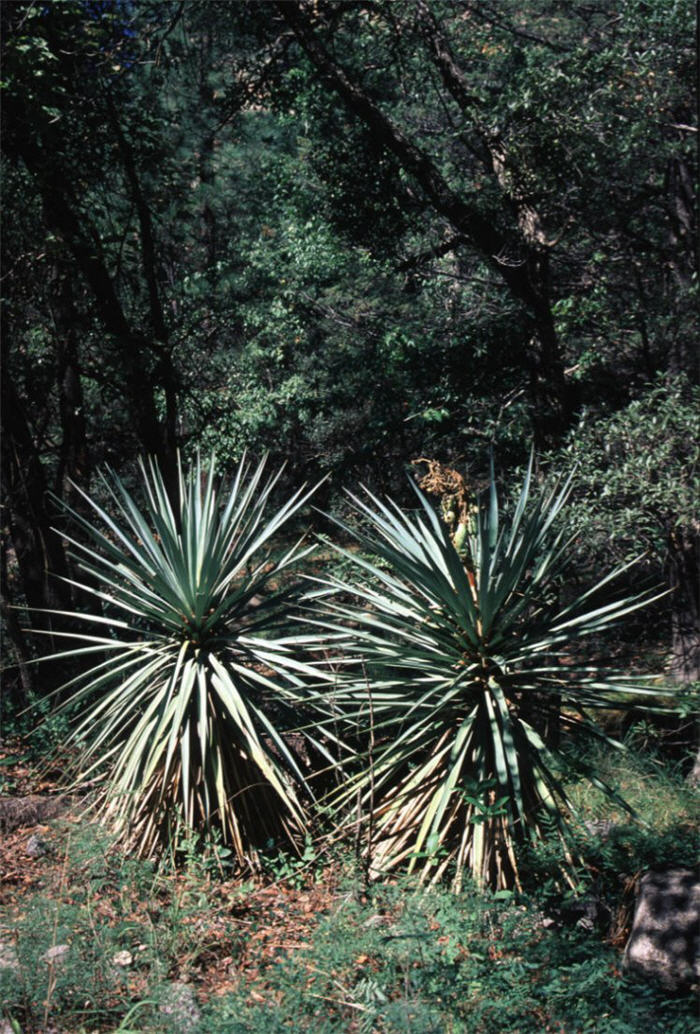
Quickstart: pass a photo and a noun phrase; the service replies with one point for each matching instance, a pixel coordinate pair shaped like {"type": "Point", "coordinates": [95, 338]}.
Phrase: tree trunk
{"type": "Point", "coordinates": [146, 362]}
{"type": "Point", "coordinates": [19, 691]}
{"type": "Point", "coordinates": [684, 354]}
{"type": "Point", "coordinates": [73, 459]}
{"type": "Point", "coordinates": [684, 579]}
{"type": "Point", "coordinates": [38, 551]}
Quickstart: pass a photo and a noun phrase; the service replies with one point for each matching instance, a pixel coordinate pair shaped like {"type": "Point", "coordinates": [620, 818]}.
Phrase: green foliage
{"type": "Point", "coordinates": [592, 119]}
{"type": "Point", "coordinates": [638, 471]}
{"type": "Point", "coordinates": [464, 659]}
{"type": "Point", "coordinates": [297, 292]}
{"type": "Point", "coordinates": [614, 852]}
{"type": "Point", "coordinates": [653, 784]}
{"type": "Point", "coordinates": [194, 677]}
{"type": "Point", "coordinates": [292, 869]}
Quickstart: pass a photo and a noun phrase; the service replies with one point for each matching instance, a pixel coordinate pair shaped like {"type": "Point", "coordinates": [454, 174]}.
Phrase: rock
{"type": "Point", "coordinates": [600, 828]}
{"type": "Point", "coordinates": [664, 944]}
{"type": "Point", "coordinates": [8, 957]}
{"type": "Point", "coordinates": [36, 847]}
{"type": "Point", "coordinates": [16, 812]}
{"type": "Point", "coordinates": [179, 1005]}
{"type": "Point", "coordinates": [378, 920]}
{"type": "Point", "coordinates": [123, 958]}
{"type": "Point", "coordinates": [56, 954]}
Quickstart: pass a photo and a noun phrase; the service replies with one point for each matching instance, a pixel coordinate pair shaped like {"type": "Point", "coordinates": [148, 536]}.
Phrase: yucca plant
{"type": "Point", "coordinates": [192, 677]}
{"type": "Point", "coordinates": [460, 657]}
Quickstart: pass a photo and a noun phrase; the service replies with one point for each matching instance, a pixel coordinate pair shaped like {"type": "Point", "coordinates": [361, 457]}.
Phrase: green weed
{"type": "Point", "coordinates": [282, 865]}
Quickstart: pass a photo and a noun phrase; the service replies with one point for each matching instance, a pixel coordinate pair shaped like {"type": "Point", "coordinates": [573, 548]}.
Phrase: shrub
{"type": "Point", "coordinates": [192, 681]}
{"type": "Point", "coordinates": [467, 655]}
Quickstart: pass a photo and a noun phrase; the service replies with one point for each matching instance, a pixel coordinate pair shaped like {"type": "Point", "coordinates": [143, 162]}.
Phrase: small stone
{"type": "Point", "coordinates": [56, 954]}
{"type": "Point", "coordinates": [600, 828]}
{"type": "Point", "coordinates": [123, 958]}
{"type": "Point", "coordinates": [8, 957]}
{"type": "Point", "coordinates": [36, 847]}
{"type": "Point", "coordinates": [377, 920]}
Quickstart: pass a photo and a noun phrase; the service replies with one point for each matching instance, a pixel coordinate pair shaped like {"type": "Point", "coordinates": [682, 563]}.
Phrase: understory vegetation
{"type": "Point", "coordinates": [95, 940]}
{"type": "Point", "coordinates": [212, 694]}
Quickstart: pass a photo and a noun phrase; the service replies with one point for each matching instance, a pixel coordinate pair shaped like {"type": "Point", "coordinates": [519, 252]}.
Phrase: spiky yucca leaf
{"type": "Point", "coordinates": [189, 672]}
{"type": "Point", "coordinates": [463, 654]}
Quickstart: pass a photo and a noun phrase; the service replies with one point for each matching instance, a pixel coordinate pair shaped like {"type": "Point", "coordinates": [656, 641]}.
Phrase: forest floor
{"type": "Point", "coordinates": [94, 941]}
{"type": "Point", "coordinates": [233, 930]}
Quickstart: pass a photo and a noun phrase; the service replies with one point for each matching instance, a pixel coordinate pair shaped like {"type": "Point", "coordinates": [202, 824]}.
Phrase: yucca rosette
{"type": "Point", "coordinates": [461, 658]}
{"type": "Point", "coordinates": [193, 674]}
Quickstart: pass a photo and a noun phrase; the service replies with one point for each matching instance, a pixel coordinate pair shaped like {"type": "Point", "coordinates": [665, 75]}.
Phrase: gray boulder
{"type": "Point", "coordinates": [664, 944]}
{"type": "Point", "coordinates": [37, 847]}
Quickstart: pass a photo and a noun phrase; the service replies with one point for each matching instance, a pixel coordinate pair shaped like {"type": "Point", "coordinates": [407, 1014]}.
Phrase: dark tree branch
{"type": "Point", "coordinates": [148, 249]}
{"type": "Point", "coordinates": [465, 218]}
{"type": "Point", "coordinates": [150, 273]}
{"type": "Point", "coordinates": [526, 278]}
{"type": "Point", "coordinates": [138, 350]}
